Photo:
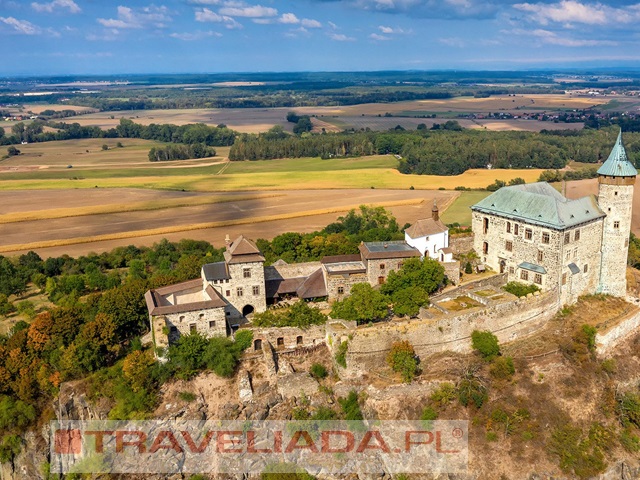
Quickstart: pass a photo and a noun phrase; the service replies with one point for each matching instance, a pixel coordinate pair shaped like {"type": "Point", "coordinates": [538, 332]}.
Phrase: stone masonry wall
{"type": "Point", "coordinates": [182, 322]}
{"type": "Point", "coordinates": [508, 320]}
{"type": "Point", "coordinates": [380, 268]}
{"type": "Point", "coordinates": [452, 271]}
{"type": "Point", "coordinates": [294, 270]}
{"type": "Point", "coordinates": [461, 244]}
{"type": "Point", "coordinates": [607, 342]}
{"type": "Point", "coordinates": [346, 281]}
{"type": "Point", "coordinates": [291, 337]}
{"type": "Point", "coordinates": [240, 289]}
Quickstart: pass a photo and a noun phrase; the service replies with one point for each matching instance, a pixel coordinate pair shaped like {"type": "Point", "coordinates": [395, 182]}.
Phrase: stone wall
{"type": "Point", "coordinates": [461, 244]}
{"type": "Point", "coordinates": [240, 291]}
{"type": "Point", "coordinates": [210, 322]}
{"type": "Point", "coordinates": [493, 281]}
{"type": "Point", "coordinates": [379, 269]}
{"type": "Point", "coordinates": [607, 341]}
{"type": "Point", "coordinates": [508, 320]}
{"type": "Point", "coordinates": [344, 280]}
{"type": "Point", "coordinates": [452, 271]}
{"type": "Point", "coordinates": [288, 337]}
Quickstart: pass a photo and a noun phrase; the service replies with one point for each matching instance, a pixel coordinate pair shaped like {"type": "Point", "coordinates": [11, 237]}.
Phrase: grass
{"type": "Point", "coordinates": [460, 211]}
{"type": "Point", "coordinates": [196, 226]}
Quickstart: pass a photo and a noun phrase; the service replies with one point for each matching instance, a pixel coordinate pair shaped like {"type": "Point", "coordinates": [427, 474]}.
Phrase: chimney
{"type": "Point", "coordinates": [435, 214]}
{"type": "Point", "coordinates": [227, 240]}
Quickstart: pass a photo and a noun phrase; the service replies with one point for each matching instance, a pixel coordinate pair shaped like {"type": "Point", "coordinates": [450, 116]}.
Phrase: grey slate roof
{"type": "Point", "coordinates": [392, 249]}
{"type": "Point", "coordinates": [574, 268]}
{"type": "Point", "coordinates": [618, 165]}
{"type": "Point", "coordinates": [540, 204]}
{"type": "Point", "coordinates": [533, 267]}
{"type": "Point", "coordinates": [216, 271]}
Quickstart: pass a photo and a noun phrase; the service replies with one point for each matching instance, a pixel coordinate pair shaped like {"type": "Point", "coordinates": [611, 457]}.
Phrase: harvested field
{"type": "Point", "coordinates": [256, 217]}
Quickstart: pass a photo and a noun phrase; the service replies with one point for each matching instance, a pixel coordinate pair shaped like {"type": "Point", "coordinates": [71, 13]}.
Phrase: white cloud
{"type": "Point", "coordinates": [51, 6]}
{"type": "Point", "coordinates": [551, 38]}
{"type": "Point", "coordinates": [572, 11]}
{"type": "Point", "coordinates": [150, 16]}
{"type": "Point", "coordinates": [197, 35]}
{"type": "Point", "coordinates": [377, 36]}
{"type": "Point", "coordinates": [204, 2]}
{"type": "Point", "coordinates": [390, 30]}
{"type": "Point", "coordinates": [23, 27]}
{"type": "Point", "coordinates": [310, 23]}
{"type": "Point", "coordinates": [341, 37]}
{"type": "Point", "coordinates": [452, 42]}
{"type": "Point", "coordinates": [333, 25]}
{"type": "Point", "coordinates": [206, 15]}
{"type": "Point", "coordinates": [255, 11]}
{"type": "Point", "coordinates": [289, 19]}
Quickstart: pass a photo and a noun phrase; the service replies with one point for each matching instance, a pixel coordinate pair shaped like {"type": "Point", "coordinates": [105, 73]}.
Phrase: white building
{"type": "Point", "coordinates": [430, 237]}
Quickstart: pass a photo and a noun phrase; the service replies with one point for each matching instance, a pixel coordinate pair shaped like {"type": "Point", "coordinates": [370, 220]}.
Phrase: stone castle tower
{"type": "Point", "coordinates": [616, 178]}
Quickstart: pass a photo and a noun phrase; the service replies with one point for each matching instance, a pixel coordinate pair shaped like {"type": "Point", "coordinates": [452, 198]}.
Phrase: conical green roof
{"type": "Point", "coordinates": [618, 165]}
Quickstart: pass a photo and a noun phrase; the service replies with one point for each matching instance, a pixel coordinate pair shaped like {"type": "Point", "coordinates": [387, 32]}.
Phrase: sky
{"type": "Point", "coordinates": [56, 37]}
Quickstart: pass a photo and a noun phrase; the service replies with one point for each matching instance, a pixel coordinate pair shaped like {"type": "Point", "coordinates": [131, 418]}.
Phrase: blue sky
{"type": "Point", "coordinates": [174, 36]}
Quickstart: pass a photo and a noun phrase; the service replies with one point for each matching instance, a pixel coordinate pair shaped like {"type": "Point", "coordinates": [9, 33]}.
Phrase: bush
{"type": "Point", "coordinates": [350, 406]}
{"type": "Point", "coordinates": [629, 441]}
{"type": "Point", "coordinates": [341, 354]}
{"type": "Point", "coordinates": [629, 409]}
{"type": "Point", "coordinates": [244, 339]}
{"type": "Point", "coordinates": [520, 289]}
{"type": "Point", "coordinates": [468, 268]}
{"type": "Point", "coordinates": [502, 368]}
{"type": "Point", "coordinates": [486, 343]}
{"type": "Point", "coordinates": [300, 315]}
{"type": "Point", "coordinates": [444, 395]}
{"type": "Point", "coordinates": [577, 454]}
{"type": "Point", "coordinates": [187, 396]}
{"type": "Point", "coordinates": [429, 413]}
{"type": "Point", "coordinates": [402, 358]}
{"type": "Point", "coordinates": [318, 370]}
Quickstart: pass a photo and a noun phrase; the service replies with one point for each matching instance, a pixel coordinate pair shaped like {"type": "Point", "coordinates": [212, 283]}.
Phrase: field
{"type": "Point", "coordinates": [254, 120]}
{"type": "Point", "coordinates": [460, 211]}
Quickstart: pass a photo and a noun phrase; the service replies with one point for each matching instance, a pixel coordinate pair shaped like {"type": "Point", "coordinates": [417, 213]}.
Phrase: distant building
{"type": "Point", "coordinates": [536, 235]}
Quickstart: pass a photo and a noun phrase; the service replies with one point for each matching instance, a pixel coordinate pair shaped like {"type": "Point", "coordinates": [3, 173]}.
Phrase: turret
{"type": "Point", "coordinates": [616, 178]}
{"type": "Point", "coordinates": [435, 213]}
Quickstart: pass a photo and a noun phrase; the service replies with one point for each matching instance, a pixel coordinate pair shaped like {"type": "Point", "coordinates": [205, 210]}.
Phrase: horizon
{"type": "Point", "coordinates": [85, 37]}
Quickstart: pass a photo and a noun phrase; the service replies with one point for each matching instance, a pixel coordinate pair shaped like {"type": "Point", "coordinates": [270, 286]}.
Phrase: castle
{"type": "Point", "coordinates": [536, 235]}
{"type": "Point", "coordinates": [227, 292]}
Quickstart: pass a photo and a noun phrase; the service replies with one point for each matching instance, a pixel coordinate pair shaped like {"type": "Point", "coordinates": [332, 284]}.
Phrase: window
{"type": "Point", "coordinates": [485, 247]}
{"type": "Point", "coordinates": [567, 238]}
{"type": "Point", "coordinates": [193, 328]}
{"type": "Point", "coordinates": [382, 266]}
{"type": "Point", "coordinates": [299, 340]}
{"type": "Point", "coordinates": [380, 280]}
{"type": "Point", "coordinates": [226, 281]}
{"type": "Point", "coordinates": [239, 291]}
{"type": "Point", "coordinates": [545, 237]}
{"type": "Point", "coordinates": [616, 224]}
{"type": "Point", "coordinates": [515, 229]}
{"type": "Point", "coordinates": [173, 329]}
{"type": "Point", "coordinates": [280, 342]}
{"type": "Point", "coordinates": [508, 246]}
{"type": "Point", "coordinates": [512, 270]}
{"type": "Point", "coordinates": [586, 268]}
{"type": "Point", "coordinates": [537, 279]}
{"type": "Point", "coordinates": [246, 272]}
{"type": "Point", "coordinates": [524, 275]}
{"type": "Point", "coordinates": [577, 235]}
{"type": "Point", "coordinates": [181, 318]}
{"type": "Point", "coordinates": [508, 227]}
{"type": "Point", "coordinates": [615, 193]}
{"type": "Point", "coordinates": [228, 293]}
{"type": "Point", "coordinates": [212, 324]}
{"type": "Point", "coordinates": [485, 226]}
{"type": "Point", "coordinates": [228, 314]}
{"type": "Point", "coordinates": [340, 290]}
{"type": "Point", "coordinates": [400, 265]}
{"type": "Point", "coordinates": [201, 316]}
{"type": "Point", "coordinates": [540, 256]}
{"type": "Point", "coordinates": [564, 278]}
{"type": "Point", "coordinates": [575, 253]}
{"type": "Point", "coordinates": [567, 256]}
{"type": "Point", "coordinates": [256, 290]}
{"type": "Point", "coordinates": [528, 234]}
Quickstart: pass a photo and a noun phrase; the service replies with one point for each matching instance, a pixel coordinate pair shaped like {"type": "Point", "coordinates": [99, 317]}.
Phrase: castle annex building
{"type": "Point", "coordinates": [536, 235]}
{"type": "Point", "coordinates": [227, 292]}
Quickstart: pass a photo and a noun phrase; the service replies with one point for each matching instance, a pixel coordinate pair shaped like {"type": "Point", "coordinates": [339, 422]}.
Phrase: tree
{"type": "Point", "coordinates": [126, 305]}
{"type": "Point", "coordinates": [402, 358]}
{"type": "Point", "coordinates": [485, 343]}
{"type": "Point", "coordinates": [364, 304]}
{"type": "Point", "coordinates": [6, 307]}
{"type": "Point", "coordinates": [426, 274]}
{"type": "Point", "coordinates": [135, 369]}
{"type": "Point", "coordinates": [408, 300]}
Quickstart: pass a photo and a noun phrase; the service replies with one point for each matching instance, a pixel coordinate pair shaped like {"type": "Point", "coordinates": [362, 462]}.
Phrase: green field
{"type": "Point", "coordinates": [459, 211]}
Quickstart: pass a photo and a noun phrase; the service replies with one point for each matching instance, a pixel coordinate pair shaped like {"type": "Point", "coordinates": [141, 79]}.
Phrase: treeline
{"type": "Point", "coordinates": [188, 134]}
{"type": "Point", "coordinates": [443, 152]}
{"type": "Point", "coordinates": [342, 237]}
{"type": "Point", "coordinates": [180, 152]}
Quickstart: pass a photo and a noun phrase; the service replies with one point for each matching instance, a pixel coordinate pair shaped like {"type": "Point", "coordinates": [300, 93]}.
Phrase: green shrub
{"type": "Point", "coordinates": [341, 354]}
{"type": "Point", "coordinates": [629, 441]}
{"type": "Point", "coordinates": [318, 370]}
{"type": "Point", "coordinates": [471, 390]}
{"type": "Point", "coordinates": [444, 394]}
{"type": "Point", "coordinates": [350, 406]}
{"type": "Point", "coordinates": [502, 368]}
{"type": "Point", "coordinates": [577, 454]}
{"type": "Point", "coordinates": [10, 447]}
{"type": "Point", "coordinates": [402, 358]}
{"type": "Point", "coordinates": [187, 396]}
{"type": "Point", "coordinates": [429, 413]}
{"type": "Point", "coordinates": [468, 268]}
{"type": "Point", "coordinates": [244, 339]}
{"type": "Point", "coordinates": [324, 413]}
{"type": "Point", "coordinates": [486, 343]}
{"type": "Point", "coordinates": [609, 365]}
{"type": "Point", "coordinates": [284, 471]}
{"type": "Point", "coordinates": [520, 289]}
{"type": "Point", "coordinates": [300, 315]}
{"type": "Point", "coordinates": [491, 437]}
{"type": "Point", "coordinates": [629, 409]}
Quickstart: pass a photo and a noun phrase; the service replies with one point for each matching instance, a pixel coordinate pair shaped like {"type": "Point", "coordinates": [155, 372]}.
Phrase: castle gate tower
{"type": "Point", "coordinates": [616, 178]}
